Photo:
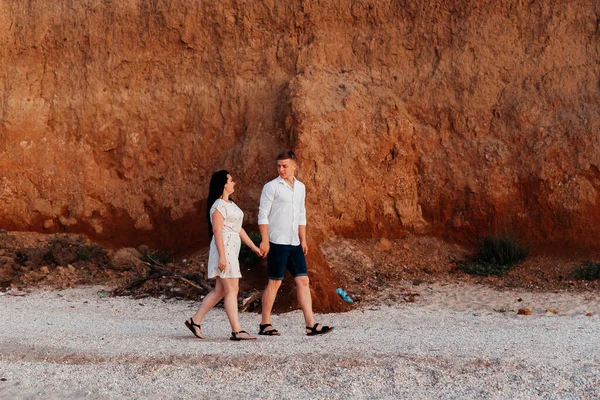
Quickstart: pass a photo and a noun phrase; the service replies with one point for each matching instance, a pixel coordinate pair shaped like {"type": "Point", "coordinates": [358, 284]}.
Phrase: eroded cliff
{"type": "Point", "coordinates": [443, 118]}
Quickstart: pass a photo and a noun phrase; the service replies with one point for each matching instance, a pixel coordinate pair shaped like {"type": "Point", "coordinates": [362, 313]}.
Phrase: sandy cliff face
{"type": "Point", "coordinates": [114, 114]}
{"type": "Point", "coordinates": [455, 118]}
{"type": "Point", "coordinates": [446, 118]}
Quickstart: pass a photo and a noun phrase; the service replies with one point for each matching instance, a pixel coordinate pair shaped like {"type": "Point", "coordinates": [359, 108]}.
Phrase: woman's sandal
{"type": "Point", "coordinates": [234, 336]}
{"type": "Point", "coordinates": [270, 332]}
{"type": "Point", "coordinates": [313, 331]}
{"type": "Point", "coordinates": [192, 327]}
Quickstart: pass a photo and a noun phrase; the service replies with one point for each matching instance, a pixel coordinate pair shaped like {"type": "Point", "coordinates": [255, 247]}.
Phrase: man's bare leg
{"type": "Point", "coordinates": [305, 300]}
{"type": "Point", "coordinates": [268, 299]}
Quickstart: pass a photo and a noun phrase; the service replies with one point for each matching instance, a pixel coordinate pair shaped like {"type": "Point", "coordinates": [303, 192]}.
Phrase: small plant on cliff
{"type": "Point", "coordinates": [496, 255]}
{"type": "Point", "coordinates": [502, 249]}
{"type": "Point", "coordinates": [247, 256]}
{"type": "Point", "coordinates": [589, 271]}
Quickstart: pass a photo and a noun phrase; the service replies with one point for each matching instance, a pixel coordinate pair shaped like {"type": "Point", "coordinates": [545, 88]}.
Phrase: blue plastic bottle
{"type": "Point", "coordinates": [342, 293]}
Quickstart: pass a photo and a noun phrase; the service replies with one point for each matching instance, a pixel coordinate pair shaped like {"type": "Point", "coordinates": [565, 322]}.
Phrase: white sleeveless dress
{"type": "Point", "coordinates": [232, 226]}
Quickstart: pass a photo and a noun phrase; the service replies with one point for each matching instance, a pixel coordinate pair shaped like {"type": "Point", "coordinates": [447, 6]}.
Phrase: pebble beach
{"type": "Point", "coordinates": [454, 341]}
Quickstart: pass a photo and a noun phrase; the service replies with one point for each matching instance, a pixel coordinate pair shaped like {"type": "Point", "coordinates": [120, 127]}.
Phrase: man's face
{"type": "Point", "coordinates": [286, 168]}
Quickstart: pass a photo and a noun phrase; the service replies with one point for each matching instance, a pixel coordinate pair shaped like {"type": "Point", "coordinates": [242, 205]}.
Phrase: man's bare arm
{"type": "Point", "coordinates": [264, 243]}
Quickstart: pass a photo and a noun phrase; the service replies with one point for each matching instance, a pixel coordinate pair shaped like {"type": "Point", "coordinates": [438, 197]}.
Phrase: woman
{"type": "Point", "coordinates": [225, 227]}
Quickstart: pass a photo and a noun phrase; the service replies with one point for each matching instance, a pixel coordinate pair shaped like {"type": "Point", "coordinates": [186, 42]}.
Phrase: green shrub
{"type": "Point", "coordinates": [247, 256]}
{"type": "Point", "coordinates": [473, 267]}
{"type": "Point", "coordinates": [589, 271]}
{"type": "Point", "coordinates": [502, 250]}
{"type": "Point", "coordinates": [497, 254]}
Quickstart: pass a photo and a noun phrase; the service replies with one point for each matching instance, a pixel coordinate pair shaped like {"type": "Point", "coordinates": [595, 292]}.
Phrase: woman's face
{"type": "Point", "coordinates": [229, 186]}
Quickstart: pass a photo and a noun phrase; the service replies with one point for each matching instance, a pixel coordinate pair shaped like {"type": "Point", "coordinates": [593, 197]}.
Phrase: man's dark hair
{"type": "Point", "coordinates": [287, 155]}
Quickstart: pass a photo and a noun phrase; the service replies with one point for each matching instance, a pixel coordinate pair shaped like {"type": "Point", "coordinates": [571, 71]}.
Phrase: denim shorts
{"type": "Point", "coordinates": [282, 256]}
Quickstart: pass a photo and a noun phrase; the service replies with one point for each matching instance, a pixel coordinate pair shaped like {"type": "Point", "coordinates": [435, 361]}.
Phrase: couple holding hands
{"type": "Point", "coordinates": [282, 225]}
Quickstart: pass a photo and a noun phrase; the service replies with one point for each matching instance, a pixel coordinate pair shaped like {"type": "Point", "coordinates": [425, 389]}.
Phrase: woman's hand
{"type": "Point", "coordinates": [222, 264]}
{"type": "Point", "coordinates": [258, 251]}
{"type": "Point", "coordinates": [264, 248]}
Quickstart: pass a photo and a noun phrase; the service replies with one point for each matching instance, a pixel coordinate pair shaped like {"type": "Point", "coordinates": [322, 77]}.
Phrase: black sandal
{"type": "Point", "coordinates": [270, 332]}
{"type": "Point", "coordinates": [234, 336]}
{"type": "Point", "coordinates": [192, 327]}
{"type": "Point", "coordinates": [313, 331]}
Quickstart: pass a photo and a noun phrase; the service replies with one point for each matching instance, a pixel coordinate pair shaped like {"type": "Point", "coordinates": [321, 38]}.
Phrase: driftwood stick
{"type": "Point", "coordinates": [136, 269]}
{"type": "Point", "coordinates": [250, 301]}
{"type": "Point", "coordinates": [155, 262]}
{"type": "Point", "coordinates": [201, 287]}
{"type": "Point", "coordinates": [199, 280]}
{"type": "Point", "coordinates": [157, 272]}
{"type": "Point", "coordinates": [134, 284]}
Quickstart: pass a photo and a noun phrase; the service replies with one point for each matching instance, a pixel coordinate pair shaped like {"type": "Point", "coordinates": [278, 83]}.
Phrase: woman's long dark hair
{"type": "Point", "coordinates": [217, 184]}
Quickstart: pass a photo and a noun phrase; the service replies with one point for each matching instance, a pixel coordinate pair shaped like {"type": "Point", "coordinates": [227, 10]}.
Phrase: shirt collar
{"type": "Point", "coordinates": [281, 180]}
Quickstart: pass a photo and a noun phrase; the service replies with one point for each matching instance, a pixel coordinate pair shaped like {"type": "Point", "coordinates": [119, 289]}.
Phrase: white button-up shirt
{"type": "Point", "coordinates": [282, 208]}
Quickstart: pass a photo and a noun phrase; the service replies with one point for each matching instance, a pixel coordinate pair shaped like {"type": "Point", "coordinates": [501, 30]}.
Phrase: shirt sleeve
{"type": "Point", "coordinates": [302, 216]}
{"type": "Point", "coordinates": [266, 202]}
{"type": "Point", "coordinates": [219, 206]}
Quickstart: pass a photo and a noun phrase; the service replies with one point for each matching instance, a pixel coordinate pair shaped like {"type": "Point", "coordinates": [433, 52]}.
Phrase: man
{"type": "Point", "coordinates": [282, 225]}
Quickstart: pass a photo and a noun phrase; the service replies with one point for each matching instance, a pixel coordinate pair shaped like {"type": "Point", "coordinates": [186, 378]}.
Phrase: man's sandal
{"type": "Point", "coordinates": [192, 327]}
{"type": "Point", "coordinates": [234, 336]}
{"type": "Point", "coordinates": [313, 331]}
{"type": "Point", "coordinates": [270, 332]}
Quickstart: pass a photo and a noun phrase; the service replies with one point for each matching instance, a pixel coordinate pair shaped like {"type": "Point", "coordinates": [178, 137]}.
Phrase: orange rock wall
{"type": "Point", "coordinates": [447, 118]}
{"type": "Point", "coordinates": [455, 119]}
{"type": "Point", "coordinates": [115, 113]}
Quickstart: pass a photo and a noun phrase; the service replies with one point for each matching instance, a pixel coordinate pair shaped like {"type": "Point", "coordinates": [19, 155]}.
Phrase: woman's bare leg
{"type": "Point", "coordinates": [231, 288]}
{"type": "Point", "coordinates": [209, 301]}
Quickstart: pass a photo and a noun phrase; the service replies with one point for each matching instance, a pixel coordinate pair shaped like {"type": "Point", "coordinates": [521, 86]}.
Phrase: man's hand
{"type": "Point", "coordinates": [264, 248]}
{"type": "Point", "coordinates": [304, 247]}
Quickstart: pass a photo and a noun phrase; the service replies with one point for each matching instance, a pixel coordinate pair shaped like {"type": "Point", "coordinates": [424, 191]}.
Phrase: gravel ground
{"type": "Point", "coordinates": [76, 344]}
